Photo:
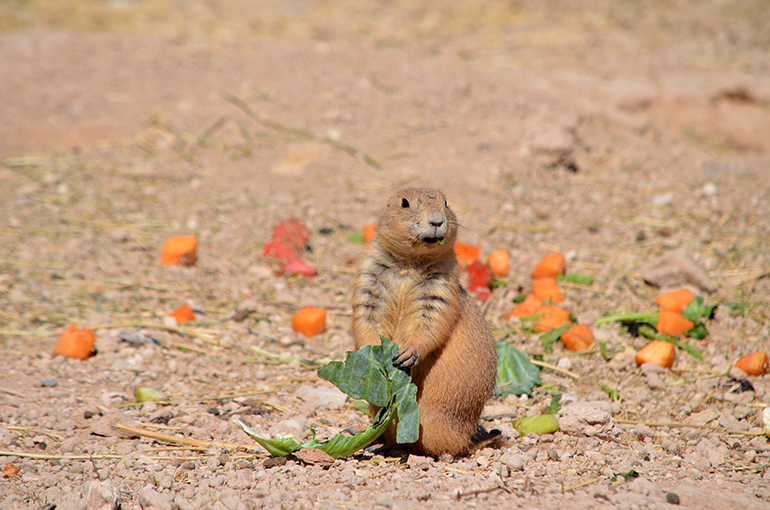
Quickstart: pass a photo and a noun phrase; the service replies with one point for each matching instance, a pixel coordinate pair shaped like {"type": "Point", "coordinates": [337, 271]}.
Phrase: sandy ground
{"type": "Point", "coordinates": [610, 133]}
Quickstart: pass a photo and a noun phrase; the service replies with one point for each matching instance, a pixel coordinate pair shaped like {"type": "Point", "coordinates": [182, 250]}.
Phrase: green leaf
{"type": "Point", "coordinates": [613, 394]}
{"type": "Point", "coordinates": [356, 238]}
{"type": "Point", "coordinates": [651, 317]}
{"type": "Point", "coordinates": [578, 278]}
{"type": "Point", "coordinates": [697, 312]}
{"type": "Point", "coordinates": [540, 424]}
{"type": "Point", "coordinates": [555, 404]}
{"type": "Point", "coordinates": [145, 394]}
{"type": "Point", "coordinates": [280, 447]}
{"type": "Point", "coordinates": [552, 337]}
{"type": "Point", "coordinates": [519, 299]}
{"type": "Point", "coordinates": [515, 373]}
{"type": "Point", "coordinates": [368, 373]}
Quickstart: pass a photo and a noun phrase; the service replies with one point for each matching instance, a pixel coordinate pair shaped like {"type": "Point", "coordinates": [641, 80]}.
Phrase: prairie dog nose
{"type": "Point", "coordinates": [436, 220]}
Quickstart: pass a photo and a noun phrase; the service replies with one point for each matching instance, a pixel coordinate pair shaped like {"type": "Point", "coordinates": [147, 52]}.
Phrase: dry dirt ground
{"type": "Point", "coordinates": [612, 132]}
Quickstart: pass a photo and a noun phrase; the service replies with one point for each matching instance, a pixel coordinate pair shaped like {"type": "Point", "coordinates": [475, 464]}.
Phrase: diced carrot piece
{"type": "Point", "coordinates": [547, 323]}
{"type": "Point", "coordinates": [183, 314]}
{"type": "Point", "coordinates": [310, 321]}
{"type": "Point", "coordinates": [277, 250]}
{"type": "Point", "coordinates": [11, 470]}
{"type": "Point", "coordinates": [675, 301]}
{"type": "Point", "coordinates": [483, 295]}
{"type": "Point", "coordinates": [547, 289]}
{"type": "Point", "coordinates": [293, 234]}
{"type": "Point", "coordinates": [753, 364]}
{"type": "Point", "coordinates": [369, 231]}
{"type": "Point", "coordinates": [551, 266]}
{"type": "Point", "coordinates": [75, 343]}
{"type": "Point", "coordinates": [660, 352]}
{"type": "Point", "coordinates": [670, 323]}
{"type": "Point", "coordinates": [466, 254]}
{"type": "Point", "coordinates": [179, 250]}
{"type": "Point", "coordinates": [527, 308]}
{"type": "Point", "coordinates": [295, 267]}
{"type": "Point", "coordinates": [553, 311]}
{"type": "Point", "coordinates": [499, 262]}
{"type": "Point", "coordinates": [578, 338]}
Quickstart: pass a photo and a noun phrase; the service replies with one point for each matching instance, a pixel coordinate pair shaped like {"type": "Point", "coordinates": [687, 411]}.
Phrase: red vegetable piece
{"type": "Point", "coordinates": [295, 267]}
{"type": "Point", "coordinates": [293, 234]}
{"type": "Point", "coordinates": [479, 277]}
{"type": "Point", "coordinates": [277, 250]}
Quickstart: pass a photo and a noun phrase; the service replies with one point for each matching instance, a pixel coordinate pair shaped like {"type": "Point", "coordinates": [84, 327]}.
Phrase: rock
{"type": "Point", "coordinates": [674, 269]}
{"type": "Point", "coordinates": [49, 383]}
{"type": "Point", "coordinates": [651, 368]}
{"type": "Point", "coordinates": [564, 363]}
{"type": "Point", "coordinates": [586, 419]}
{"type": "Point", "coordinates": [655, 382]}
{"type": "Point", "coordinates": [120, 235]}
{"type": "Point", "coordinates": [315, 456]}
{"type": "Point", "coordinates": [672, 498]}
{"type": "Point", "coordinates": [100, 496]}
{"type": "Point", "coordinates": [664, 200]}
{"type": "Point", "coordinates": [702, 417]}
{"type": "Point", "coordinates": [322, 396]}
{"type": "Point", "coordinates": [513, 462]}
{"type": "Point", "coordinates": [244, 309]}
{"type": "Point", "coordinates": [641, 430]}
{"type": "Point", "coordinates": [149, 498]}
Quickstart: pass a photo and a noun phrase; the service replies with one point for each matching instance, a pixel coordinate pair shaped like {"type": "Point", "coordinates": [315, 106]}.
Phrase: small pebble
{"type": "Point", "coordinates": [672, 498]}
{"type": "Point", "coordinates": [49, 383]}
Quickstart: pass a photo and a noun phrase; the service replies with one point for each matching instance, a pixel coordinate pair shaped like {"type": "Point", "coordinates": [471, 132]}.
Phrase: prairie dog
{"type": "Point", "coordinates": [408, 289]}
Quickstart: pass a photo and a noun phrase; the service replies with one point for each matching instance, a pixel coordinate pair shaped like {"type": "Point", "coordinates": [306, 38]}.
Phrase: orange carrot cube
{"type": "Point", "coordinates": [551, 266]}
{"type": "Point", "coordinates": [179, 250]}
{"type": "Point", "coordinates": [578, 338]}
{"type": "Point", "coordinates": [310, 321]}
{"type": "Point", "coordinates": [75, 343]}
{"type": "Point", "coordinates": [670, 323]}
{"type": "Point", "coordinates": [675, 301]}
{"type": "Point", "coordinates": [660, 352]}
{"type": "Point", "coordinates": [499, 262]}
{"type": "Point", "coordinates": [546, 289]}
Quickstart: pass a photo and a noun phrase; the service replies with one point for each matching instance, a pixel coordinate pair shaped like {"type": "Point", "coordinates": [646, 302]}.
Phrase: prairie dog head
{"type": "Point", "coordinates": [417, 224]}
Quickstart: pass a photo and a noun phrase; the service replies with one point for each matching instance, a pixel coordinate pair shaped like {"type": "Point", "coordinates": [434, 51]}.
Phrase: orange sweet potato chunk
{"type": "Point", "coordinates": [183, 314]}
{"type": "Point", "coordinates": [310, 321]}
{"type": "Point", "coordinates": [670, 323]}
{"type": "Point", "coordinates": [547, 323]}
{"type": "Point", "coordinates": [369, 231]}
{"type": "Point", "coordinates": [659, 352]}
{"type": "Point", "coordinates": [675, 301]}
{"type": "Point", "coordinates": [578, 338]}
{"type": "Point", "coordinates": [179, 250]}
{"type": "Point", "coordinates": [466, 254]}
{"type": "Point", "coordinates": [499, 261]}
{"type": "Point", "coordinates": [551, 266]}
{"type": "Point", "coordinates": [527, 308]}
{"type": "Point", "coordinates": [754, 364]}
{"type": "Point", "coordinates": [546, 289]}
{"type": "Point", "coordinates": [75, 343]}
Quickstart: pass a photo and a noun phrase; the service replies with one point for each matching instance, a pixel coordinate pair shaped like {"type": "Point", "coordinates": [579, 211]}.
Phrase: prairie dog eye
{"type": "Point", "coordinates": [404, 203]}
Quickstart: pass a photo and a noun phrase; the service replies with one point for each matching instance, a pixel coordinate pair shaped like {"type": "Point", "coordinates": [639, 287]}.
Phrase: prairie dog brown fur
{"type": "Point", "coordinates": [408, 289]}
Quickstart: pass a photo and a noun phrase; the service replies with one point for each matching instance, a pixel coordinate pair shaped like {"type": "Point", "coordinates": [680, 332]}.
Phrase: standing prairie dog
{"type": "Point", "coordinates": [408, 289]}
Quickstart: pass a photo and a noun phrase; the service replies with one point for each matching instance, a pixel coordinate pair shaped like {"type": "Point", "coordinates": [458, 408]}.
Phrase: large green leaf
{"type": "Point", "coordinates": [368, 374]}
{"type": "Point", "coordinates": [515, 373]}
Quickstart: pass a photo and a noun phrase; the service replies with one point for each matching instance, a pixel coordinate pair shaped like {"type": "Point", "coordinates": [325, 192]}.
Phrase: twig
{"type": "Point", "coordinates": [41, 456]}
{"type": "Point", "coordinates": [582, 484]}
{"type": "Point", "coordinates": [302, 134]}
{"type": "Point", "coordinates": [679, 425]}
{"type": "Point", "coordinates": [36, 431]}
{"type": "Point", "coordinates": [554, 368]}
{"type": "Point", "coordinates": [180, 440]}
{"type": "Point", "coordinates": [500, 486]}
{"type": "Point", "coordinates": [152, 325]}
